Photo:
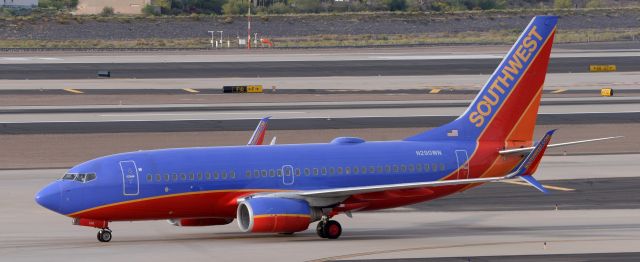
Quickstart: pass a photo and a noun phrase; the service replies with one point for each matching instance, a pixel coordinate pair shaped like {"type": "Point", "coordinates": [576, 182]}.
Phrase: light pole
{"type": "Point", "coordinates": [211, 32]}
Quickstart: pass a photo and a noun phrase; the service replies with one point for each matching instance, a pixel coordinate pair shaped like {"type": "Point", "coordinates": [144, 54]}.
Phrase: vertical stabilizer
{"type": "Point", "coordinates": [506, 107]}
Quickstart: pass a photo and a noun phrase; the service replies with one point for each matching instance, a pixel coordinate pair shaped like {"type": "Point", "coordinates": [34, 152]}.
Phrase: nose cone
{"type": "Point", "coordinates": [50, 197]}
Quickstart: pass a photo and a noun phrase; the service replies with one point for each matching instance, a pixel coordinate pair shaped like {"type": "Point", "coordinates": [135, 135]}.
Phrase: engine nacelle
{"type": "Point", "coordinates": [200, 222]}
{"type": "Point", "coordinates": [275, 215]}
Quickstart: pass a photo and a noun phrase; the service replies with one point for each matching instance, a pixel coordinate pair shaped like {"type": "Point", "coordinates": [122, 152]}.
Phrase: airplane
{"type": "Point", "coordinates": [284, 188]}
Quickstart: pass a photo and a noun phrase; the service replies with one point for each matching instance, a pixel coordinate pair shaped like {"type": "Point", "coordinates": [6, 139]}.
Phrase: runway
{"type": "Point", "coordinates": [519, 220]}
{"type": "Point", "coordinates": [294, 68]}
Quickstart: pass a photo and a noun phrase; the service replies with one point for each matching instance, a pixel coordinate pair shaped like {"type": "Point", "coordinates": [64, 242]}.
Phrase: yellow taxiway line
{"type": "Point", "coordinates": [75, 91]}
{"type": "Point", "coordinates": [191, 90]}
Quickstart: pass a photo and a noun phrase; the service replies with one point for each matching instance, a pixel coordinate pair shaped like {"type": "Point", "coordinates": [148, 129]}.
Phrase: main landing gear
{"type": "Point", "coordinates": [330, 229]}
{"type": "Point", "coordinates": [104, 235]}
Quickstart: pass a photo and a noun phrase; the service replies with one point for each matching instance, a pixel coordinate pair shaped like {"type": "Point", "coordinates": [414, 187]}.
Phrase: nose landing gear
{"type": "Point", "coordinates": [330, 229]}
{"type": "Point", "coordinates": [104, 235]}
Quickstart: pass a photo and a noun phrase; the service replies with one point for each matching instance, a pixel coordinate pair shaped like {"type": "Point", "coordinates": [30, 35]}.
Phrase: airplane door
{"type": "Point", "coordinates": [287, 175]}
{"type": "Point", "coordinates": [463, 164]}
{"type": "Point", "coordinates": [130, 180]}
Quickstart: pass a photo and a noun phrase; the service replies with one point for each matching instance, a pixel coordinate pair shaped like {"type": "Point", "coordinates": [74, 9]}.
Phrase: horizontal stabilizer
{"type": "Point", "coordinates": [525, 150]}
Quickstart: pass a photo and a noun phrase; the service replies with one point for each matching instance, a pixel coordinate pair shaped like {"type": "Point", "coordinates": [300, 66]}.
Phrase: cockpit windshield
{"type": "Point", "coordinates": [79, 177]}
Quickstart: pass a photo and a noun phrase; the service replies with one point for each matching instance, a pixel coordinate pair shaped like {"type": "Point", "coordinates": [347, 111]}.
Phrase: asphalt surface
{"type": "Point", "coordinates": [618, 257]}
{"type": "Point", "coordinates": [602, 193]}
{"type": "Point", "coordinates": [298, 105]}
{"type": "Point", "coordinates": [295, 68]}
{"type": "Point", "coordinates": [607, 223]}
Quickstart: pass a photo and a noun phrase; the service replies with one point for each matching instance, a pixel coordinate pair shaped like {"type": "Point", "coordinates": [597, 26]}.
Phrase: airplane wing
{"type": "Point", "coordinates": [258, 134]}
{"type": "Point", "coordinates": [525, 170]}
{"type": "Point", "coordinates": [528, 149]}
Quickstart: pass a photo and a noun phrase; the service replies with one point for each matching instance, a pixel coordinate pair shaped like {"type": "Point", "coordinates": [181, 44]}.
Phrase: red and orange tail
{"type": "Point", "coordinates": [507, 106]}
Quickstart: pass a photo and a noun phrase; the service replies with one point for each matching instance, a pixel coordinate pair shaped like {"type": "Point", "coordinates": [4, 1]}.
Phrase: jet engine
{"type": "Point", "coordinates": [275, 215]}
{"type": "Point", "coordinates": [200, 222]}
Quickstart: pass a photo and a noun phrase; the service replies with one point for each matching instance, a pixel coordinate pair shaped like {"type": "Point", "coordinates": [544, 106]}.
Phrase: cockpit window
{"type": "Point", "coordinates": [82, 177]}
{"type": "Point", "coordinates": [69, 176]}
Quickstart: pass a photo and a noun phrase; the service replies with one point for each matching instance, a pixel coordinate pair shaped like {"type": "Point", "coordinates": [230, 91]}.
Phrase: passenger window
{"type": "Point", "coordinates": [356, 170]}
{"type": "Point", "coordinates": [272, 173]}
{"type": "Point", "coordinates": [315, 171]}
{"type": "Point", "coordinates": [256, 173]}
{"type": "Point", "coordinates": [279, 172]}
{"type": "Point", "coordinates": [297, 171]}
{"type": "Point", "coordinates": [208, 174]}
{"type": "Point", "coordinates": [175, 177]}
{"type": "Point", "coordinates": [403, 168]}
{"type": "Point", "coordinates": [363, 169]}
{"type": "Point", "coordinates": [183, 176]}
{"type": "Point", "coordinates": [264, 173]}
{"type": "Point", "coordinates": [442, 167]}
{"type": "Point", "coordinates": [396, 169]}
{"type": "Point", "coordinates": [232, 175]}
{"type": "Point", "coordinates": [387, 168]}
{"type": "Point", "coordinates": [199, 175]}
{"type": "Point", "coordinates": [419, 167]}
{"type": "Point", "coordinates": [324, 171]}
{"type": "Point", "coordinates": [339, 170]}
{"type": "Point", "coordinates": [248, 173]}
{"type": "Point", "coordinates": [332, 170]}
{"type": "Point", "coordinates": [224, 174]}
{"type": "Point", "coordinates": [380, 169]}
{"type": "Point", "coordinates": [411, 168]}
{"type": "Point", "coordinates": [347, 170]}
{"type": "Point", "coordinates": [434, 167]}
{"type": "Point", "coordinates": [216, 175]}
{"type": "Point", "coordinates": [149, 177]}
{"type": "Point", "coordinates": [158, 177]}
{"type": "Point", "coordinates": [372, 169]}
{"type": "Point", "coordinates": [426, 167]}
{"type": "Point", "coordinates": [167, 177]}
{"type": "Point", "coordinates": [307, 171]}
{"type": "Point", "coordinates": [191, 176]}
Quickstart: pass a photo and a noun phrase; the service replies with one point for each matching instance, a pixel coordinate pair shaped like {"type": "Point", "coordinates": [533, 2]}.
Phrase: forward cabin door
{"type": "Point", "coordinates": [130, 180]}
{"type": "Point", "coordinates": [287, 175]}
{"type": "Point", "coordinates": [463, 164]}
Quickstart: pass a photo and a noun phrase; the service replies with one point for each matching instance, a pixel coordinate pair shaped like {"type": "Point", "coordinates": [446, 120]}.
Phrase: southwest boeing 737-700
{"type": "Point", "coordinates": [284, 188]}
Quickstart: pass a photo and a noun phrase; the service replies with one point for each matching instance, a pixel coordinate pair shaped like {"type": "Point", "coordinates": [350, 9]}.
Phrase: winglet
{"type": "Point", "coordinates": [529, 165]}
{"type": "Point", "coordinates": [533, 182]}
{"type": "Point", "coordinates": [258, 134]}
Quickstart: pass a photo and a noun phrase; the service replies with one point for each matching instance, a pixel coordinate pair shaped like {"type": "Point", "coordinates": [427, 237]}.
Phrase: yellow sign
{"type": "Point", "coordinates": [254, 89]}
{"type": "Point", "coordinates": [606, 92]}
{"type": "Point", "coordinates": [602, 68]}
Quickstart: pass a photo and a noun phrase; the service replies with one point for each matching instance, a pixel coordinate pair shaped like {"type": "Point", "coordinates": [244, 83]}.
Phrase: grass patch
{"type": "Point", "coordinates": [491, 37]}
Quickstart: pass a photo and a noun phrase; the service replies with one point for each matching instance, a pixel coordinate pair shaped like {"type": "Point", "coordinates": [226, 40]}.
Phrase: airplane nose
{"type": "Point", "coordinates": [49, 197]}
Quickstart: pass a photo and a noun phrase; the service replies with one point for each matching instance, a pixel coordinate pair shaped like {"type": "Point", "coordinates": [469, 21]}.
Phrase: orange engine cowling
{"type": "Point", "coordinates": [275, 215]}
{"type": "Point", "coordinates": [200, 222]}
